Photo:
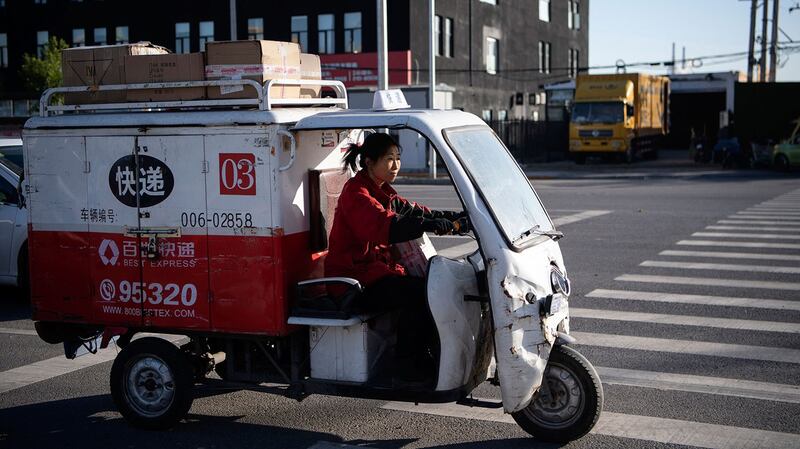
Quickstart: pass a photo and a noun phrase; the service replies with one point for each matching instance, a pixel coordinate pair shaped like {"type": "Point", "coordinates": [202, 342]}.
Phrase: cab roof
{"type": "Point", "coordinates": [300, 118]}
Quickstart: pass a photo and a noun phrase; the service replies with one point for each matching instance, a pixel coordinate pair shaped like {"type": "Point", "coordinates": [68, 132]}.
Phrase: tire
{"type": "Point", "coordinates": [782, 163]}
{"type": "Point", "coordinates": [567, 373]}
{"type": "Point", "coordinates": [23, 272]}
{"type": "Point", "coordinates": [151, 384]}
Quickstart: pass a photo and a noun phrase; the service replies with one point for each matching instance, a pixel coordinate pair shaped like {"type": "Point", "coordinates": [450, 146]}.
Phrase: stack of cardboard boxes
{"type": "Point", "coordinates": [143, 62]}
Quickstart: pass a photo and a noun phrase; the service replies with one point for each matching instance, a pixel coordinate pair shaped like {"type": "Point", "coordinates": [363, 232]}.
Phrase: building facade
{"type": "Point", "coordinates": [495, 56]}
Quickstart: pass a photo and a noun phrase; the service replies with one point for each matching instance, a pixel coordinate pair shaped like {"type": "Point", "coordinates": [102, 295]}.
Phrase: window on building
{"type": "Point", "coordinates": [3, 50]}
{"type": "Point", "coordinates": [300, 31]}
{"type": "Point", "coordinates": [352, 32]}
{"type": "Point", "coordinates": [448, 37]}
{"type": "Point", "coordinates": [326, 29]}
{"type": "Point", "coordinates": [502, 115]}
{"type": "Point", "coordinates": [206, 34]}
{"type": "Point", "coordinates": [544, 57]}
{"type": "Point", "coordinates": [122, 35]}
{"type": "Point", "coordinates": [78, 37]}
{"type": "Point", "coordinates": [100, 37]}
{"type": "Point", "coordinates": [573, 15]}
{"type": "Point", "coordinates": [486, 115]}
{"type": "Point", "coordinates": [492, 52]}
{"type": "Point", "coordinates": [437, 35]}
{"type": "Point", "coordinates": [2, 3]}
{"type": "Point", "coordinates": [491, 2]}
{"type": "Point", "coordinates": [182, 37]}
{"type": "Point", "coordinates": [544, 10]}
{"type": "Point", "coordinates": [39, 2]}
{"type": "Point", "coordinates": [255, 28]}
{"type": "Point", "coordinates": [573, 62]}
{"type": "Point", "coordinates": [41, 42]}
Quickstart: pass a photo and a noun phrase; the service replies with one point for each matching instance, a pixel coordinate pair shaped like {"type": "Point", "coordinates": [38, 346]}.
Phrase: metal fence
{"type": "Point", "coordinates": [533, 141]}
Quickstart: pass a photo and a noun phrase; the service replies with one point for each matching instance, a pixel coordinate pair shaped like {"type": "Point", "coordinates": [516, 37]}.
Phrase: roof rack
{"type": "Point", "coordinates": [263, 100]}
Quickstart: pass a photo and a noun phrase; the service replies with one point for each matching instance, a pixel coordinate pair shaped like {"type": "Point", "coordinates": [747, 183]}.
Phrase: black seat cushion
{"type": "Point", "coordinates": [325, 305]}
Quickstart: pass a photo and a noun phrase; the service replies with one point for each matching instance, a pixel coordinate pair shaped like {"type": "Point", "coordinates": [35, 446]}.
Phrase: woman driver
{"type": "Point", "coordinates": [369, 217]}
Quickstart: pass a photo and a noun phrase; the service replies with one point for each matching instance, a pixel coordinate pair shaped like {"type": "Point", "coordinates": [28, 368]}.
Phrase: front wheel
{"type": "Point", "coordinates": [573, 403]}
{"type": "Point", "coordinates": [151, 383]}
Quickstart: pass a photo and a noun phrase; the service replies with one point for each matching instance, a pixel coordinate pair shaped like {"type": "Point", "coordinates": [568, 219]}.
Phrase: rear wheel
{"type": "Point", "coordinates": [572, 403]}
{"type": "Point", "coordinates": [151, 383]}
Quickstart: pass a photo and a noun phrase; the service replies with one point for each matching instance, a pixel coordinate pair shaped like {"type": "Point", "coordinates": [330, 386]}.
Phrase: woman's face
{"type": "Point", "coordinates": [386, 168]}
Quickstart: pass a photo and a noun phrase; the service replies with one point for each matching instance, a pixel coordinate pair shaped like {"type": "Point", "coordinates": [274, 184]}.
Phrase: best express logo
{"type": "Point", "coordinates": [151, 180]}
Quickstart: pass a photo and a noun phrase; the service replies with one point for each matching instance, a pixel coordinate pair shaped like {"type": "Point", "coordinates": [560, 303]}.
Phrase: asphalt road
{"type": "Point", "coordinates": [686, 297]}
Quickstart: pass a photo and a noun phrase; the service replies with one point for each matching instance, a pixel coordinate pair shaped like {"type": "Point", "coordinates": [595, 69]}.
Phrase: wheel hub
{"type": "Point", "coordinates": [150, 386]}
{"type": "Point", "coordinates": [562, 401]}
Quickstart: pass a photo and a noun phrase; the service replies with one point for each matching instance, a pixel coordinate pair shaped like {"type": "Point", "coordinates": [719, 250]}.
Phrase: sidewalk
{"type": "Point", "coordinates": [670, 164]}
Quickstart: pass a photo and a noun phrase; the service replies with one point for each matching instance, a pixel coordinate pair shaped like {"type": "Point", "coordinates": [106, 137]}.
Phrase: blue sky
{"type": "Point", "coordinates": [643, 31]}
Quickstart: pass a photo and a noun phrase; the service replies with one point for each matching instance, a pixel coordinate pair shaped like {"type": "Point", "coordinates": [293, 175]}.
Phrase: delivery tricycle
{"type": "Point", "coordinates": [208, 219]}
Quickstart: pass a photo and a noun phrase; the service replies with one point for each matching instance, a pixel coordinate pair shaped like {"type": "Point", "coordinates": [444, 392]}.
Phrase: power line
{"type": "Point", "coordinates": [785, 46]}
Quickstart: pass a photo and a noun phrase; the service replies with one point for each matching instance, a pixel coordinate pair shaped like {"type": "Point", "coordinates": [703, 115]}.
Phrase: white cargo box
{"type": "Point", "coordinates": [343, 353]}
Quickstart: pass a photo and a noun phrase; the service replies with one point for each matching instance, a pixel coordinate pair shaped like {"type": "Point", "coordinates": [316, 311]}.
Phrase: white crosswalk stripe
{"type": "Point", "coordinates": [760, 222]}
{"type": "Point", "coordinates": [700, 384]}
{"type": "Point", "coordinates": [47, 369]}
{"type": "Point", "coordinates": [720, 266]}
{"type": "Point", "coordinates": [686, 320]}
{"type": "Point", "coordinates": [730, 255]}
{"type": "Point", "coordinates": [708, 282]}
{"type": "Point", "coordinates": [763, 217]}
{"type": "Point", "coordinates": [724, 301]}
{"type": "Point", "coordinates": [675, 346]}
{"type": "Point", "coordinates": [754, 228]}
{"type": "Point", "coordinates": [749, 235]}
{"type": "Point", "coordinates": [739, 244]}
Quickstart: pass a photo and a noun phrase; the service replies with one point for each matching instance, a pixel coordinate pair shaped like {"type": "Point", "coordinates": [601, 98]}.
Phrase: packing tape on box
{"type": "Point", "coordinates": [231, 70]}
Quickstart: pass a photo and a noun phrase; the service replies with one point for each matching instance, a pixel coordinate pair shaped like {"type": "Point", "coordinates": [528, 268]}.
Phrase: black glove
{"type": "Point", "coordinates": [462, 225]}
{"type": "Point", "coordinates": [439, 226]}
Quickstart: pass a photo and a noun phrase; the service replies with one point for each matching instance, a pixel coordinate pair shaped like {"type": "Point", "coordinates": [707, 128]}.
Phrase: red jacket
{"type": "Point", "coordinates": [359, 242]}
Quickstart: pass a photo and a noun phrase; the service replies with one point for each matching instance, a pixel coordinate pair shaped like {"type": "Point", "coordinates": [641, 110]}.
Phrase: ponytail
{"type": "Point", "coordinates": [351, 157]}
{"type": "Point", "coordinates": [375, 145]}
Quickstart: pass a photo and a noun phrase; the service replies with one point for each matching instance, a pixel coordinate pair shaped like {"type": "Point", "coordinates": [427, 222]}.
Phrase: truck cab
{"type": "Point", "coordinates": [618, 116]}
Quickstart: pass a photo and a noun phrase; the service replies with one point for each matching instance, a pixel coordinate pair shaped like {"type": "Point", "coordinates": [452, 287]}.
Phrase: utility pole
{"type": "Point", "coordinates": [773, 48]}
{"type": "Point", "coordinates": [762, 76]}
{"type": "Point", "coordinates": [233, 19]}
{"type": "Point", "coordinates": [383, 59]}
{"type": "Point", "coordinates": [432, 73]}
{"type": "Point", "coordinates": [750, 57]}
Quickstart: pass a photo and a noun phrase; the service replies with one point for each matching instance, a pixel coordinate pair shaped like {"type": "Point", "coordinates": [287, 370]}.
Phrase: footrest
{"type": "Point", "coordinates": [330, 322]}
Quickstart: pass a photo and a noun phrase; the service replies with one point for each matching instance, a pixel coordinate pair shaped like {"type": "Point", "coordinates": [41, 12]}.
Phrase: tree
{"type": "Point", "coordinates": [42, 73]}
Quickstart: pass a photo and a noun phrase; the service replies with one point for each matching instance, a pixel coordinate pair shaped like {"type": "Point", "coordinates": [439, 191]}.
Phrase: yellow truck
{"type": "Point", "coordinates": [619, 115]}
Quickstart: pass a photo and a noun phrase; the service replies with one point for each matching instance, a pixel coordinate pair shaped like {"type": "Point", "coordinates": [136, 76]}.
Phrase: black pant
{"type": "Point", "coordinates": [416, 331]}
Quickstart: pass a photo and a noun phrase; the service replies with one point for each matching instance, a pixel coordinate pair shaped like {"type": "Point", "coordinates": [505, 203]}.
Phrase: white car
{"type": "Point", "coordinates": [13, 217]}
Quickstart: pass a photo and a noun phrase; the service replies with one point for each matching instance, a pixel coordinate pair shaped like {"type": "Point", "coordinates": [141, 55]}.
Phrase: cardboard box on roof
{"type": "Point", "coordinates": [258, 60]}
{"type": "Point", "coordinates": [165, 69]}
{"type": "Point", "coordinates": [101, 65]}
{"type": "Point", "coordinates": [310, 69]}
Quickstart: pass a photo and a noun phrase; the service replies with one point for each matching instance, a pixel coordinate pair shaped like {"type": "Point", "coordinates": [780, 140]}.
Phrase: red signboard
{"type": "Point", "coordinates": [361, 69]}
{"type": "Point", "coordinates": [237, 175]}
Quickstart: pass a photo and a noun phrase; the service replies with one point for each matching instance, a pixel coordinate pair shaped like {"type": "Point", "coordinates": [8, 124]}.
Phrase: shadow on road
{"type": "Point", "coordinates": [14, 304]}
{"type": "Point", "coordinates": [92, 422]}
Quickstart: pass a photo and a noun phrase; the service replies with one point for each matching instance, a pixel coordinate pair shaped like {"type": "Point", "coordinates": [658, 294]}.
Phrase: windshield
{"type": "Point", "coordinates": [598, 112]}
{"type": "Point", "coordinates": [503, 185]}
